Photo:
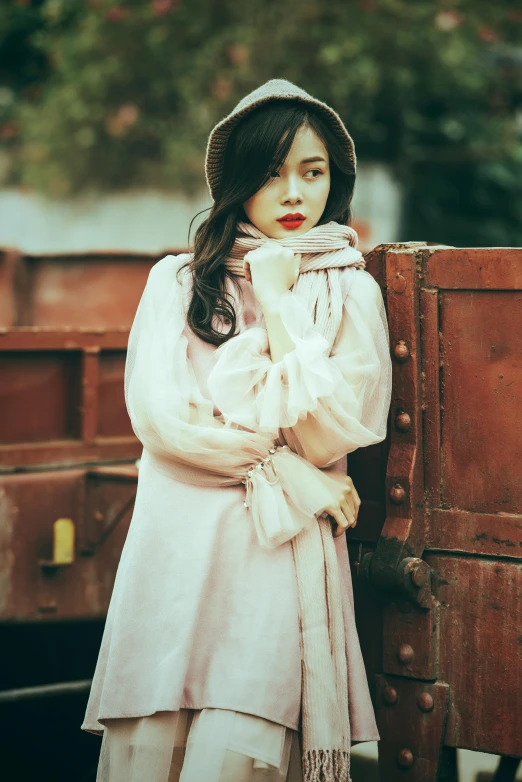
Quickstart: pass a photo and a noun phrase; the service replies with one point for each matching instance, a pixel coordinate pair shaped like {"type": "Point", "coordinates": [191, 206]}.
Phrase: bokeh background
{"type": "Point", "coordinates": [106, 107]}
{"type": "Point", "coordinates": [105, 112]}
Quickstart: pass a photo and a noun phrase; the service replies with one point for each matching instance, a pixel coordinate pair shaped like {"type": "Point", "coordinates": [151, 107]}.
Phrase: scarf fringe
{"type": "Point", "coordinates": [326, 765]}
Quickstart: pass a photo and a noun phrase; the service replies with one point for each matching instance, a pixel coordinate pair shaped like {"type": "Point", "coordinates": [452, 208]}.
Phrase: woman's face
{"type": "Point", "coordinates": [300, 187]}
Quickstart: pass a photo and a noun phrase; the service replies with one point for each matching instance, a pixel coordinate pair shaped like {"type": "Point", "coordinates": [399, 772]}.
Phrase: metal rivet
{"type": "Point", "coordinates": [405, 758]}
{"type": "Point", "coordinates": [425, 701]}
{"type": "Point", "coordinates": [406, 654]}
{"type": "Point", "coordinates": [420, 576]}
{"type": "Point", "coordinates": [389, 696]}
{"type": "Point", "coordinates": [401, 351]}
{"type": "Point", "coordinates": [397, 494]}
{"type": "Point", "coordinates": [399, 283]}
{"type": "Point", "coordinates": [403, 422]}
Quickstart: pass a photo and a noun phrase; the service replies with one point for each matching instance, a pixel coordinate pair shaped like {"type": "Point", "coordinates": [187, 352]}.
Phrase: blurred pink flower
{"type": "Point", "coordinates": [126, 116]}
{"type": "Point", "coordinates": [116, 14]}
{"type": "Point", "coordinates": [448, 20]}
{"type": "Point", "coordinates": [9, 130]}
{"type": "Point", "coordinates": [238, 53]}
{"type": "Point", "coordinates": [221, 89]}
{"type": "Point", "coordinates": [161, 7]}
{"type": "Point", "coordinates": [487, 34]}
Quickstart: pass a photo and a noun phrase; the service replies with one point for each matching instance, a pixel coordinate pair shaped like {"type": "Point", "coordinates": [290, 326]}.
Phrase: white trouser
{"type": "Point", "coordinates": [210, 745]}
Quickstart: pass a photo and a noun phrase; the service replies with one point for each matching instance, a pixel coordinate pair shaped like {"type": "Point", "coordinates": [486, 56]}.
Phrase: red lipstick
{"type": "Point", "coordinates": [291, 221]}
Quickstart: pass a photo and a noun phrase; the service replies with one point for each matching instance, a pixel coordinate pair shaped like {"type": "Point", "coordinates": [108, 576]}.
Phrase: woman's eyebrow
{"type": "Point", "coordinates": [316, 159]}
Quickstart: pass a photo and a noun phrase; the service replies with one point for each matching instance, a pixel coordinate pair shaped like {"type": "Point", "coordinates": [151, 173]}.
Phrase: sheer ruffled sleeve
{"type": "Point", "coordinates": [346, 393]}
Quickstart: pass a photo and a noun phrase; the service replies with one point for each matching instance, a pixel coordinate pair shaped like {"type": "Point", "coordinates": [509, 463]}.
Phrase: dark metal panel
{"type": "Point", "coordinates": [62, 398]}
{"type": "Point", "coordinates": [113, 420]}
{"type": "Point", "coordinates": [481, 652]}
{"type": "Point", "coordinates": [411, 717]}
{"type": "Point", "coordinates": [430, 373]}
{"type": "Point", "coordinates": [39, 396]}
{"type": "Point", "coordinates": [411, 640]}
{"type": "Point", "coordinates": [9, 262]}
{"type": "Point", "coordinates": [489, 534]}
{"type": "Point", "coordinates": [369, 604]}
{"type": "Point", "coordinates": [482, 398]}
{"type": "Point", "coordinates": [403, 534]}
{"type": "Point", "coordinates": [73, 289]}
{"type": "Point", "coordinates": [497, 268]}
{"type": "Point", "coordinates": [62, 339]}
{"type": "Point", "coordinates": [29, 505]}
{"type": "Point", "coordinates": [90, 382]}
{"type": "Point", "coordinates": [65, 453]}
{"type": "Point", "coordinates": [97, 292]}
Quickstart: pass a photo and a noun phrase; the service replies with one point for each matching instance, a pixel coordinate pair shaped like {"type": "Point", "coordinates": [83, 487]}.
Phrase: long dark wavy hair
{"type": "Point", "coordinates": [257, 146]}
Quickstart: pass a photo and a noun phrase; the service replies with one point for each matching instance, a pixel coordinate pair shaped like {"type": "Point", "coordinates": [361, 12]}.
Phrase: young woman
{"type": "Point", "coordinates": [255, 364]}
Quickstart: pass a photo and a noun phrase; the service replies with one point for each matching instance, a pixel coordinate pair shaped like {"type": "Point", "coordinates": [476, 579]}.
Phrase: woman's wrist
{"type": "Point", "coordinates": [271, 302]}
{"type": "Point", "coordinates": [279, 339]}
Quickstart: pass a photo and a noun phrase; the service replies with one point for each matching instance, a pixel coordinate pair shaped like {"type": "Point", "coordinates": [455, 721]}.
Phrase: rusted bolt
{"type": "Point", "coordinates": [400, 351]}
{"type": "Point", "coordinates": [420, 576]}
{"type": "Point", "coordinates": [425, 701]}
{"type": "Point", "coordinates": [397, 494]}
{"type": "Point", "coordinates": [389, 696]}
{"type": "Point", "coordinates": [403, 422]}
{"type": "Point", "coordinates": [405, 758]}
{"type": "Point", "coordinates": [406, 654]}
{"type": "Point", "coordinates": [399, 283]}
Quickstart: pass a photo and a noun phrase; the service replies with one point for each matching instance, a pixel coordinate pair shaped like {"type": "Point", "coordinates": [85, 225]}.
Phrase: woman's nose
{"type": "Point", "coordinates": [293, 190]}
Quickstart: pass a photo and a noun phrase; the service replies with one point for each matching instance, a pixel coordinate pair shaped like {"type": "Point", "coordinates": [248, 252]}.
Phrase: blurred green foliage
{"type": "Point", "coordinates": [105, 95]}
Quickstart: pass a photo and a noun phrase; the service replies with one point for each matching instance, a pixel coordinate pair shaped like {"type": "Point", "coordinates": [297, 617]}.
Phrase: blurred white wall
{"type": "Point", "coordinates": [151, 221]}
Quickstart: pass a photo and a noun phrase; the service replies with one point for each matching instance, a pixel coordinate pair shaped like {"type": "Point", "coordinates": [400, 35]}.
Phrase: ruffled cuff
{"type": "Point", "coordinates": [253, 391]}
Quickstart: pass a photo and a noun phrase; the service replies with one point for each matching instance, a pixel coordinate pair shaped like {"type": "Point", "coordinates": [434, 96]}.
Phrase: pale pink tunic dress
{"type": "Point", "coordinates": [230, 637]}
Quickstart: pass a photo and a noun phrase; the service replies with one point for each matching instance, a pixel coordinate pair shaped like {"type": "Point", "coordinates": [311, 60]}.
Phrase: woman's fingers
{"type": "Point", "coordinates": [349, 513]}
{"type": "Point", "coordinates": [340, 519]}
{"type": "Point", "coordinates": [350, 492]}
{"type": "Point", "coordinates": [351, 503]}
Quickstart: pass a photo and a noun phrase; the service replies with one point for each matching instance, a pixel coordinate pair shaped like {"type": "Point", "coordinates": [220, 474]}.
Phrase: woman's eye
{"type": "Point", "coordinates": [311, 171]}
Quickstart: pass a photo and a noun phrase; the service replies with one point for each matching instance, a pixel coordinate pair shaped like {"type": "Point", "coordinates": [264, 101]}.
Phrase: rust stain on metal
{"type": "Point", "coordinates": [8, 515]}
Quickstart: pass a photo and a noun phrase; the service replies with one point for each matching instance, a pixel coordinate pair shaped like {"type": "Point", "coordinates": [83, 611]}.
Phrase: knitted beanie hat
{"type": "Point", "coordinates": [275, 89]}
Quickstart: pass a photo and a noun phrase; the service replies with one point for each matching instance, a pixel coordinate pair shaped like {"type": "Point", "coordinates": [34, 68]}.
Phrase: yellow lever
{"type": "Point", "coordinates": [63, 544]}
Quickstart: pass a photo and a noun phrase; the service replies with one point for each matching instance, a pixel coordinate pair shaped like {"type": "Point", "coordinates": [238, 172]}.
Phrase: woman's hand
{"type": "Point", "coordinates": [272, 269]}
{"type": "Point", "coordinates": [345, 507]}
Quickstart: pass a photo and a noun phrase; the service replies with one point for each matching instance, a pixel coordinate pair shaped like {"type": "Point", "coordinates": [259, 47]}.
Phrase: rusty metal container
{"type": "Point", "coordinates": [438, 549]}
{"type": "Point", "coordinates": [67, 486]}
